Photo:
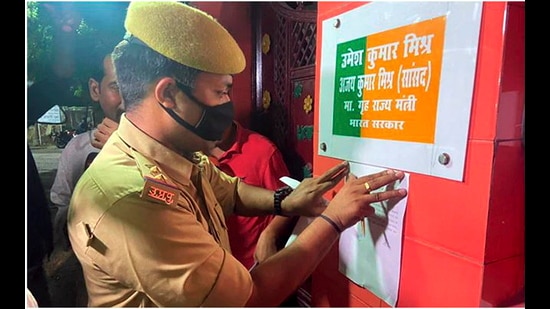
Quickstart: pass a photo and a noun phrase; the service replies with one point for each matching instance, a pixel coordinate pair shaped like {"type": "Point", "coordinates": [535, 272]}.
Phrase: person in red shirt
{"type": "Point", "coordinates": [257, 161]}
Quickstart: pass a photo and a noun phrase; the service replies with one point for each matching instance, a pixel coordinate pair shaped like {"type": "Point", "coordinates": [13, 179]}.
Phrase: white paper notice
{"type": "Point", "coordinates": [372, 258]}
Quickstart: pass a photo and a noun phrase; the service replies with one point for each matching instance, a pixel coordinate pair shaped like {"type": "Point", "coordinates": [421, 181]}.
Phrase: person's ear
{"type": "Point", "coordinates": [93, 87]}
{"type": "Point", "coordinates": [165, 92]}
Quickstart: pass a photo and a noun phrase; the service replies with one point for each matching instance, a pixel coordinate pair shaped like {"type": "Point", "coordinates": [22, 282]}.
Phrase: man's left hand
{"type": "Point", "coordinates": [103, 131]}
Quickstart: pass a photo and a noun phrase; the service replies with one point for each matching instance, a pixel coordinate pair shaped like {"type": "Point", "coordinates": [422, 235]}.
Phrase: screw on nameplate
{"type": "Point", "coordinates": [444, 158]}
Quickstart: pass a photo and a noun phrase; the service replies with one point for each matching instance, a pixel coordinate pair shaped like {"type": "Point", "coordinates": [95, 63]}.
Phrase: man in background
{"type": "Point", "coordinates": [82, 148]}
{"type": "Point", "coordinates": [66, 279]}
{"type": "Point", "coordinates": [256, 161]}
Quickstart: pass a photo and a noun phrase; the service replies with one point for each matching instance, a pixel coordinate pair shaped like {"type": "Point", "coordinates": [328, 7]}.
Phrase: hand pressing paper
{"type": "Point", "coordinates": [370, 251]}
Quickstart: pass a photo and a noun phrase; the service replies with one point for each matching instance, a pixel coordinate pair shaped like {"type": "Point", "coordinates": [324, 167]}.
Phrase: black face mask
{"type": "Point", "coordinates": [214, 119]}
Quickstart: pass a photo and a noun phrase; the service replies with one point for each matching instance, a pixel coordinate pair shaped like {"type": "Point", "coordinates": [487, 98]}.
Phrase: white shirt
{"type": "Point", "coordinates": [70, 168]}
{"type": "Point", "coordinates": [31, 301]}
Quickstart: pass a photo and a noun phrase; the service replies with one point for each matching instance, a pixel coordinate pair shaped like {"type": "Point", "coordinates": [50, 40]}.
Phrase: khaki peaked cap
{"type": "Point", "coordinates": [186, 35]}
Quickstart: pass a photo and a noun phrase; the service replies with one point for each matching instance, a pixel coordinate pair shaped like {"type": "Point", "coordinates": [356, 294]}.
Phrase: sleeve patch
{"type": "Point", "coordinates": [159, 192]}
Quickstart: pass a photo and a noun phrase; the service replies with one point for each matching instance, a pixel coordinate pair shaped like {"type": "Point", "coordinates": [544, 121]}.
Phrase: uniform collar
{"type": "Point", "coordinates": [173, 164]}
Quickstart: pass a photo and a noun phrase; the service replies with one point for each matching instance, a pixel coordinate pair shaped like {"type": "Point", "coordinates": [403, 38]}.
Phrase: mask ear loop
{"type": "Point", "coordinates": [180, 120]}
{"type": "Point", "coordinates": [188, 92]}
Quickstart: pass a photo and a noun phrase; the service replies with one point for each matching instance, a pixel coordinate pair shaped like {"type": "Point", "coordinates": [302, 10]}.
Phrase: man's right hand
{"type": "Point", "coordinates": [352, 203]}
{"type": "Point", "coordinates": [103, 131]}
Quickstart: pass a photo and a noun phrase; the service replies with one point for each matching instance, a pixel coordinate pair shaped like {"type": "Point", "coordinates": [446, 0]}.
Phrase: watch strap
{"type": "Point", "coordinates": [278, 197]}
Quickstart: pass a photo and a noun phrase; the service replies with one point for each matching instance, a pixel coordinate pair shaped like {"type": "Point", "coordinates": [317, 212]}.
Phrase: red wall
{"type": "Point", "coordinates": [505, 241]}
{"type": "Point", "coordinates": [235, 17]}
{"type": "Point", "coordinates": [463, 242]}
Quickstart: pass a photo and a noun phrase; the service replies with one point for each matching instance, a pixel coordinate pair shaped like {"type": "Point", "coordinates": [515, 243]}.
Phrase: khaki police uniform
{"type": "Point", "coordinates": [148, 225]}
{"type": "Point", "coordinates": [142, 233]}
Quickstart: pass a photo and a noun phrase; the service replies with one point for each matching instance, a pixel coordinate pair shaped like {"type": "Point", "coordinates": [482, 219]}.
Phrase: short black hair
{"type": "Point", "coordinates": [96, 62]}
{"type": "Point", "coordinates": [137, 66]}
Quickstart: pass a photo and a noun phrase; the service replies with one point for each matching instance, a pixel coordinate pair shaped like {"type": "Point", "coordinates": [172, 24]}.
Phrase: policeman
{"type": "Point", "coordinates": [147, 218]}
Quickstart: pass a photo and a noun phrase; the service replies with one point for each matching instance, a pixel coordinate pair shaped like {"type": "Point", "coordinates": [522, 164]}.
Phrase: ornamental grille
{"type": "Point", "coordinates": [294, 48]}
{"type": "Point", "coordinates": [303, 44]}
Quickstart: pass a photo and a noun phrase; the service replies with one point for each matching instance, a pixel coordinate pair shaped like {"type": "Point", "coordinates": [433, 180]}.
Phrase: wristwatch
{"type": "Point", "coordinates": [278, 197]}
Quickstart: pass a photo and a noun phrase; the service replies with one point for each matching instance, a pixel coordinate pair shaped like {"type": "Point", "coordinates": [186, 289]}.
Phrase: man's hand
{"type": "Point", "coordinates": [265, 247]}
{"type": "Point", "coordinates": [307, 199]}
{"type": "Point", "coordinates": [274, 237]}
{"type": "Point", "coordinates": [103, 131]}
{"type": "Point", "coordinates": [352, 203]}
